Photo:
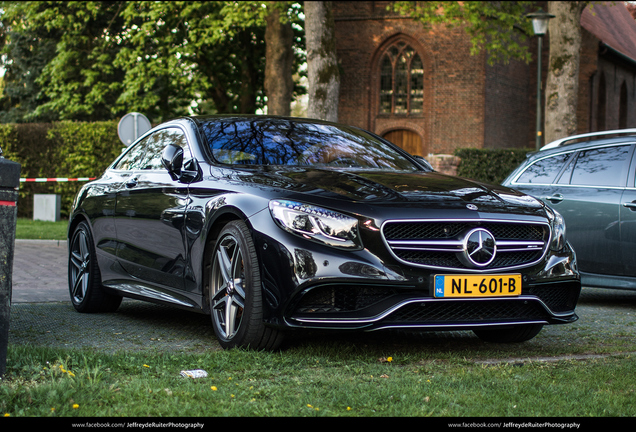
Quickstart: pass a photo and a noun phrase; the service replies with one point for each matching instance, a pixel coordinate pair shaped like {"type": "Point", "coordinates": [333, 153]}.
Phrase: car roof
{"type": "Point", "coordinates": [575, 139]}
{"type": "Point", "coordinates": [578, 142]}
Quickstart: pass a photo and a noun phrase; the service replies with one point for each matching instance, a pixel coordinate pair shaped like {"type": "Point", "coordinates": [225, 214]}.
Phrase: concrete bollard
{"type": "Point", "coordinates": [9, 184]}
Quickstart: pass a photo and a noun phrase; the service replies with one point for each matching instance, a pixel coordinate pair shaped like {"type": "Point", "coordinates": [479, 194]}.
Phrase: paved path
{"type": "Point", "coordinates": [40, 271]}
{"type": "Point", "coordinates": [42, 314]}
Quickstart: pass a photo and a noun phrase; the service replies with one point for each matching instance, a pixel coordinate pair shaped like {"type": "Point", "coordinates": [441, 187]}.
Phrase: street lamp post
{"type": "Point", "coordinates": [540, 26]}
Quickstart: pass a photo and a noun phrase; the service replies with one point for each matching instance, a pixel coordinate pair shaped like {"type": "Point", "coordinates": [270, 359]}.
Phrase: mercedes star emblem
{"type": "Point", "coordinates": [479, 248]}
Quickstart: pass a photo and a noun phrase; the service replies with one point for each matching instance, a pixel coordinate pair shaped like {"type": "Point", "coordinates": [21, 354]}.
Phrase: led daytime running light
{"type": "Point", "coordinates": [316, 223]}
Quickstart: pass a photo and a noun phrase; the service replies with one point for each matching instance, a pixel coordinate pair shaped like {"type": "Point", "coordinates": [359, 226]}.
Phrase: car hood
{"type": "Point", "coordinates": [431, 189]}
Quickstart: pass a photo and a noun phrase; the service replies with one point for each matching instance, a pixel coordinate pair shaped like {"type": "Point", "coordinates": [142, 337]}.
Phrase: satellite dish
{"type": "Point", "coordinates": [132, 126]}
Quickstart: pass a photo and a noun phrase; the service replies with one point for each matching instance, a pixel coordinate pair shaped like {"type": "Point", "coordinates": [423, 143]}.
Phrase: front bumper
{"type": "Point", "coordinates": [374, 307]}
{"type": "Point", "coordinates": [306, 285]}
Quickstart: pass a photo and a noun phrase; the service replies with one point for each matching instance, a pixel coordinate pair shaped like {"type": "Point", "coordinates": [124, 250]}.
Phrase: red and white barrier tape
{"type": "Point", "coordinates": [56, 179]}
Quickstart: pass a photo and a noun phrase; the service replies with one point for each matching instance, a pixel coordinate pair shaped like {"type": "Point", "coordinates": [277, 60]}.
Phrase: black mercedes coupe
{"type": "Point", "coordinates": [270, 224]}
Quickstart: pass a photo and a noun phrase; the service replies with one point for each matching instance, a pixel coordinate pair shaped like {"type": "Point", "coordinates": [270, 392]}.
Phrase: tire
{"type": "Point", "coordinates": [84, 279]}
{"type": "Point", "coordinates": [520, 333]}
{"type": "Point", "coordinates": [235, 295]}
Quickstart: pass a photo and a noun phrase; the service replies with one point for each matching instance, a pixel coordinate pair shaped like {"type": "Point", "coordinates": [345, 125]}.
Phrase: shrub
{"type": "Point", "coordinates": [62, 149]}
{"type": "Point", "coordinates": [489, 165]}
{"type": "Point", "coordinates": [81, 149]}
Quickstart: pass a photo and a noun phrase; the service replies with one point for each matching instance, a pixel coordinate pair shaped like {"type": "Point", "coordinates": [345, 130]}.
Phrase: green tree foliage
{"type": "Point", "coordinates": [25, 57]}
{"type": "Point", "coordinates": [99, 60]}
{"type": "Point", "coordinates": [499, 27]}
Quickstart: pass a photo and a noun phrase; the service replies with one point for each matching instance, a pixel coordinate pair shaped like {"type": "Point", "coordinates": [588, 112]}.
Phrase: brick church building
{"type": "Point", "coordinates": [423, 90]}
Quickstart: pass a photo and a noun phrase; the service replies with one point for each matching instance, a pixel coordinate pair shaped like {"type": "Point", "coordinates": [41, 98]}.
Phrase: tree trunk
{"type": "Point", "coordinates": [562, 86]}
{"type": "Point", "coordinates": [322, 64]}
{"type": "Point", "coordinates": [279, 60]}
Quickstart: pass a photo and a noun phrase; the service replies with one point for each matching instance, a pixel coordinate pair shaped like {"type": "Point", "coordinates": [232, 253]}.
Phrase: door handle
{"type": "Point", "coordinates": [131, 183]}
{"type": "Point", "coordinates": [630, 205]}
{"type": "Point", "coordinates": [554, 199]}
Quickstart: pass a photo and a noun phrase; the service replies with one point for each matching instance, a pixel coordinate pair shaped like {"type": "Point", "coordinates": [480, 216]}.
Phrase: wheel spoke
{"type": "Point", "coordinates": [76, 260]}
{"type": "Point", "coordinates": [219, 296]}
{"type": "Point", "coordinates": [83, 245]}
{"type": "Point", "coordinates": [225, 265]}
{"type": "Point", "coordinates": [230, 318]}
{"type": "Point", "coordinates": [79, 281]}
{"type": "Point", "coordinates": [239, 293]}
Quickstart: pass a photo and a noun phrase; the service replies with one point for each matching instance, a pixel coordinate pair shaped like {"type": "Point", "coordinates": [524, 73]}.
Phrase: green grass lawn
{"type": "Point", "coordinates": [309, 381]}
{"type": "Point", "coordinates": [30, 229]}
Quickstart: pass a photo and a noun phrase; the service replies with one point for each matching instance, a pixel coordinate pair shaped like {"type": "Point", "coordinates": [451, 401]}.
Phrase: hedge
{"type": "Point", "coordinates": [63, 149]}
{"type": "Point", "coordinates": [489, 165]}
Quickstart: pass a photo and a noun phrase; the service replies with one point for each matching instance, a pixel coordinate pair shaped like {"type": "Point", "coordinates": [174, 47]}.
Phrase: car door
{"type": "Point", "coordinates": [149, 220]}
{"type": "Point", "coordinates": [627, 213]}
{"type": "Point", "coordinates": [588, 194]}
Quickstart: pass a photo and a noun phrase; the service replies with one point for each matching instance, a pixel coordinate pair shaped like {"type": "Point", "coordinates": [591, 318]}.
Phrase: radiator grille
{"type": "Point", "coordinates": [440, 245]}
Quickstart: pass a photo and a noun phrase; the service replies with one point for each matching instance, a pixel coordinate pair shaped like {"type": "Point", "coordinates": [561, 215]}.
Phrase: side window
{"type": "Point", "coordinates": [134, 157]}
{"type": "Point", "coordinates": [605, 166]}
{"type": "Point", "coordinates": [158, 141]}
{"type": "Point", "coordinates": [545, 170]}
{"type": "Point", "coordinates": [146, 154]}
{"type": "Point", "coordinates": [567, 172]}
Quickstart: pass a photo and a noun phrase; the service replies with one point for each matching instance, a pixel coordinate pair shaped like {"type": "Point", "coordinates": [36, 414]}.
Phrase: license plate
{"type": "Point", "coordinates": [477, 286]}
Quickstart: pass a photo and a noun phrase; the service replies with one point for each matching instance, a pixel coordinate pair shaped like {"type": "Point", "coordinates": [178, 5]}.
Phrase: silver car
{"type": "Point", "coordinates": [589, 179]}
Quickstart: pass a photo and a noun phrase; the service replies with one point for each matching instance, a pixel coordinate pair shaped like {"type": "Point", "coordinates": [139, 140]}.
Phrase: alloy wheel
{"type": "Point", "coordinates": [80, 262]}
{"type": "Point", "coordinates": [228, 276]}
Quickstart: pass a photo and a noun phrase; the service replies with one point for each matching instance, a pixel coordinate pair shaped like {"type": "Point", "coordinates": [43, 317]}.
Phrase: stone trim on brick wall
{"type": "Point", "coordinates": [444, 163]}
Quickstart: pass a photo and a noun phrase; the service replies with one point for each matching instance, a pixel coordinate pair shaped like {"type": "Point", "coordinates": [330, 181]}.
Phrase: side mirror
{"type": "Point", "coordinates": [172, 159]}
{"type": "Point", "coordinates": [426, 164]}
{"type": "Point", "coordinates": [191, 171]}
{"type": "Point", "coordinates": [184, 171]}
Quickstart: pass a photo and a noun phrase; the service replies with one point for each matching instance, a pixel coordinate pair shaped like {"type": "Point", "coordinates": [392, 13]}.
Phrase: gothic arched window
{"type": "Point", "coordinates": [401, 80]}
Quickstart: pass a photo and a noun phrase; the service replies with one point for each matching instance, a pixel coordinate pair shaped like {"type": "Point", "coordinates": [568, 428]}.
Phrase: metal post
{"type": "Point", "coordinates": [538, 137]}
{"type": "Point", "coordinates": [9, 183]}
{"type": "Point", "coordinates": [540, 22]}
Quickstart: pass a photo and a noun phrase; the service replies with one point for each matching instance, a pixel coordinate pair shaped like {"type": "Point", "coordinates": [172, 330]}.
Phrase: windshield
{"type": "Point", "coordinates": [276, 141]}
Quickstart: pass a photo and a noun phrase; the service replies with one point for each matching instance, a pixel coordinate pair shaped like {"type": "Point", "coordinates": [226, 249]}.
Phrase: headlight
{"type": "Point", "coordinates": [315, 223]}
{"type": "Point", "coordinates": [557, 223]}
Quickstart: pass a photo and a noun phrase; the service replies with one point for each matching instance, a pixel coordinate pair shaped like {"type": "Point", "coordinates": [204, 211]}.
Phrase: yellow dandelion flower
{"type": "Point", "coordinates": [75, 406]}
{"type": "Point", "coordinates": [309, 406]}
{"type": "Point", "coordinates": [389, 359]}
{"type": "Point", "coordinates": [146, 366]}
{"type": "Point", "coordinates": [348, 408]}
{"type": "Point", "coordinates": [213, 388]}
{"type": "Point", "coordinates": [7, 414]}
{"type": "Point", "coordinates": [71, 374]}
